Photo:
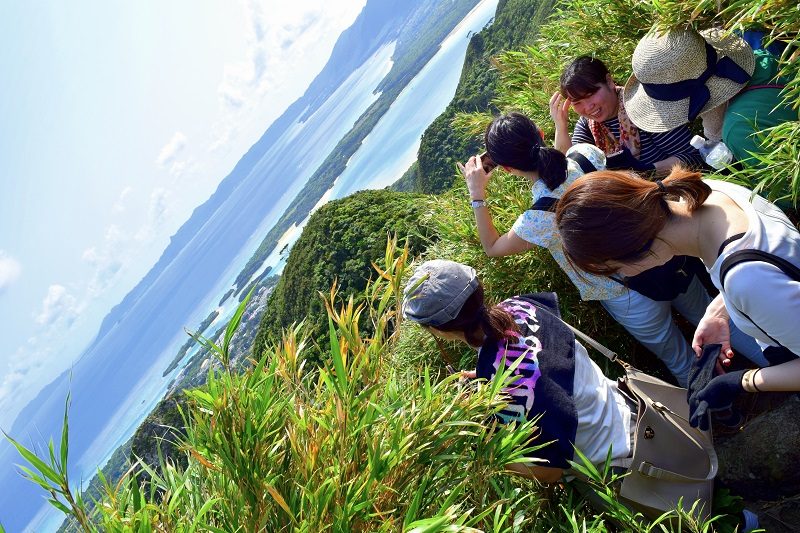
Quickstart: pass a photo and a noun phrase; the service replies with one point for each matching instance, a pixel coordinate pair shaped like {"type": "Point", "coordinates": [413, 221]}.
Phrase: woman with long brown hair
{"type": "Point", "coordinates": [515, 143]}
{"type": "Point", "coordinates": [614, 221]}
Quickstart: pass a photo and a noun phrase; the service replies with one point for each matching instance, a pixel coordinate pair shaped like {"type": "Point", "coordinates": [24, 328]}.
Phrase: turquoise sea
{"type": "Point", "coordinates": [386, 153]}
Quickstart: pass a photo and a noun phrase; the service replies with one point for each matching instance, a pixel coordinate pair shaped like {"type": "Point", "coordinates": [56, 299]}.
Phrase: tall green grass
{"type": "Point", "coordinates": [610, 29]}
{"type": "Point", "coordinates": [354, 445]}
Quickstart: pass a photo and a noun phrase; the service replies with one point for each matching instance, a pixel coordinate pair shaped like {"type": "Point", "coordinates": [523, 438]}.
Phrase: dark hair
{"type": "Point", "coordinates": [494, 321]}
{"type": "Point", "coordinates": [613, 215]}
{"type": "Point", "coordinates": [582, 77]}
{"type": "Point", "coordinates": [513, 140]}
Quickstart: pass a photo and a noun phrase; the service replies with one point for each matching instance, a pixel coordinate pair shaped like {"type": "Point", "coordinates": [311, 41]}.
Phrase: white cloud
{"type": "Point", "coordinates": [119, 205]}
{"type": "Point", "coordinates": [11, 381]}
{"type": "Point", "coordinates": [59, 307]}
{"type": "Point", "coordinates": [177, 168]}
{"type": "Point", "coordinates": [157, 214]}
{"type": "Point", "coordinates": [159, 207]}
{"type": "Point", "coordinates": [10, 270]}
{"type": "Point", "coordinates": [106, 263]}
{"type": "Point", "coordinates": [29, 364]}
{"type": "Point", "coordinates": [284, 43]}
{"type": "Point", "coordinates": [171, 150]}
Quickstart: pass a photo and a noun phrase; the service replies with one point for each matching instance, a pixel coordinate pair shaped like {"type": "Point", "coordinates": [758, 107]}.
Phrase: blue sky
{"type": "Point", "coordinates": [118, 119]}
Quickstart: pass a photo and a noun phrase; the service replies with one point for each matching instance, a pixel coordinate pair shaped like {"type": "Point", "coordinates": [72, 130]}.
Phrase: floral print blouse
{"type": "Point", "coordinates": [539, 227]}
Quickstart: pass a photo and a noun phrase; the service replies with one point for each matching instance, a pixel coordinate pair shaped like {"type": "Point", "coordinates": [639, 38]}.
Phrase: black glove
{"type": "Point", "coordinates": [702, 370]}
{"type": "Point", "coordinates": [717, 395]}
{"type": "Point", "coordinates": [624, 160]}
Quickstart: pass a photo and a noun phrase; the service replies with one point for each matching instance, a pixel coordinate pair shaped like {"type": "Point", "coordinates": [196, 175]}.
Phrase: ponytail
{"type": "Point", "coordinates": [686, 184]}
{"type": "Point", "coordinates": [474, 318]}
{"type": "Point", "coordinates": [552, 167]}
{"type": "Point", "coordinates": [513, 140]}
{"type": "Point", "coordinates": [615, 216]}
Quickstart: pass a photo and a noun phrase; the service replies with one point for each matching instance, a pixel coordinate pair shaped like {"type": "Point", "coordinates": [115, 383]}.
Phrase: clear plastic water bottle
{"type": "Point", "coordinates": [715, 153]}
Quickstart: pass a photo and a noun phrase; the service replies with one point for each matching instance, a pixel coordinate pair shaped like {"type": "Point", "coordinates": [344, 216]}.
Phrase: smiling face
{"type": "Point", "coordinates": [600, 105]}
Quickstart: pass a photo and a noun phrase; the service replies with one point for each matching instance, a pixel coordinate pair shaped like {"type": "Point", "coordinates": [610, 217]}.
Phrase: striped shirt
{"type": "Point", "coordinates": [654, 146]}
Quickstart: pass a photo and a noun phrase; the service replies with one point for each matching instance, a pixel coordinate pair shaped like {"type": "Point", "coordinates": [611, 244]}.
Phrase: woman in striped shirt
{"type": "Point", "coordinates": [588, 88]}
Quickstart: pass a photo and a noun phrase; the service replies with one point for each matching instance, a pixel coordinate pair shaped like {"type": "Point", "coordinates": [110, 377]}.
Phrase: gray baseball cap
{"type": "Point", "coordinates": [437, 291]}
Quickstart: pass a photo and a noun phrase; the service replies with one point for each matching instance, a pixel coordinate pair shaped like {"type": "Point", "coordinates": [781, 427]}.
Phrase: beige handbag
{"type": "Point", "coordinates": [671, 462]}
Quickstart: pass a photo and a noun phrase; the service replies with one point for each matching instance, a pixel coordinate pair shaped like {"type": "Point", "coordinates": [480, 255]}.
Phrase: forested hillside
{"type": "Point", "coordinates": [516, 24]}
{"type": "Point", "coordinates": [339, 244]}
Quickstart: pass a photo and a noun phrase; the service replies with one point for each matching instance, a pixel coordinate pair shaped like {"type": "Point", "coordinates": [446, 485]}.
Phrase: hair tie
{"type": "Point", "coordinates": [534, 153]}
{"type": "Point", "coordinates": [661, 186]}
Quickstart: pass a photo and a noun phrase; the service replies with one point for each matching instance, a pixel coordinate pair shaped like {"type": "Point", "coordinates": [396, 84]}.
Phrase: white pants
{"type": "Point", "coordinates": [650, 322]}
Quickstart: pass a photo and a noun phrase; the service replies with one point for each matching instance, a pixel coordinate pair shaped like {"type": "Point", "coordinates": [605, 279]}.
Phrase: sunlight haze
{"type": "Point", "coordinates": [119, 119]}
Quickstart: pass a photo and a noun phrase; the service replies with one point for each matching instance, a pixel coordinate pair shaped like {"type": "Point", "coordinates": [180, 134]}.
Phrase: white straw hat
{"type": "Point", "coordinates": [682, 73]}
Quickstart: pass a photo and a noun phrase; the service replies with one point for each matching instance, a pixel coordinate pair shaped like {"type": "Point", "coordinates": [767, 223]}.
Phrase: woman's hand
{"type": "Point", "coordinates": [475, 176]}
{"type": "Point", "coordinates": [714, 328]}
{"type": "Point", "coordinates": [559, 110]}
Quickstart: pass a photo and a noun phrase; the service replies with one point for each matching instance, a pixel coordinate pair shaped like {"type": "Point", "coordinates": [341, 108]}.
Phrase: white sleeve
{"type": "Point", "coordinates": [770, 298]}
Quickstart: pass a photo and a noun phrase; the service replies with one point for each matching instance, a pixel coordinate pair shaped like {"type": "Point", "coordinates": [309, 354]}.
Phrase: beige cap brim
{"type": "Point", "coordinates": [658, 116]}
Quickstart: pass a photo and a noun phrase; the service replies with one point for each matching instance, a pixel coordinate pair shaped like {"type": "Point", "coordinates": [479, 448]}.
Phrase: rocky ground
{"type": "Point", "coordinates": [759, 461]}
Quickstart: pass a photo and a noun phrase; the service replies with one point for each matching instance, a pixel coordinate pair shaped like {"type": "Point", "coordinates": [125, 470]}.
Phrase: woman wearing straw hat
{"type": "Point", "coordinates": [588, 88]}
{"type": "Point", "coordinates": [556, 380]}
{"type": "Point", "coordinates": [514, 142]}
{"type": "Point", "coordinates": [682, 74]}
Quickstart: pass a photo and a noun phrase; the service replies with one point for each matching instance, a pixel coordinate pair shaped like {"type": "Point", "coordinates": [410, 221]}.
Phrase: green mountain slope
{"type": "Point", "coordinates": [339, 244]}
{"type": "Point", "coordinates": [516, 24]}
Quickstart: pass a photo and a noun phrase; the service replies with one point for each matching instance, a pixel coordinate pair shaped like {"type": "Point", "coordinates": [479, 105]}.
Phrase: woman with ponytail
{"type": "Point", "coordinates": [556, 381]}
{"type": "Point", "coordinates": [614, 222]}
{"type": "Point", "coordinates": [514, 142]}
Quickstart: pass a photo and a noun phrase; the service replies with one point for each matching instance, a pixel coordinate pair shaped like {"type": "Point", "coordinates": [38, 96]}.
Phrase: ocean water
{"type": "Point", "coordinates": [292, 158]}
{"type": "Point", "coordinates": [387, 152]}
{"type": "Point", "coordinates": [392, 146]}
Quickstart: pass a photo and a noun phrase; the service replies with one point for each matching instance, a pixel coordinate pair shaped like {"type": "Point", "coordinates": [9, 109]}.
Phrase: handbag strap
{"type": "Point", "coordinates": [651, 470]}
{"type": "Point", "coordinates": [612, 355]}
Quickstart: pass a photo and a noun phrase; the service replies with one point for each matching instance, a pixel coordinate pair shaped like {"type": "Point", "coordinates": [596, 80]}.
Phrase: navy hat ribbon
{"type": "Point", "coordinates": [695, 89]}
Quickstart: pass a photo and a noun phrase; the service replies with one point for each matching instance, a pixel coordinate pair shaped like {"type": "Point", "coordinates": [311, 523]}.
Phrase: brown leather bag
{"type": "Point", "coordinates": [671, 462]}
